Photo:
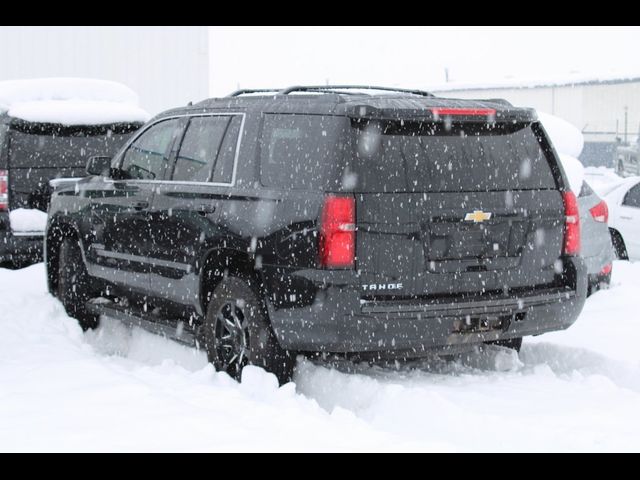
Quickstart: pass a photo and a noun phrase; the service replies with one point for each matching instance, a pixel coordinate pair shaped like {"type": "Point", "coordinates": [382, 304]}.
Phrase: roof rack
{"type": "Point", "coordinates": [247, 91]}
{"type": "Point", "coordinates": [332, 88]}
{"type": "Point", "coordinates": [326, 89]}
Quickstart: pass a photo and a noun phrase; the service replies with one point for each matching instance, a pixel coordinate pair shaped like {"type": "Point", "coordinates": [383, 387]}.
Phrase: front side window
{"type": "Point", "coordinates": [147, 157]}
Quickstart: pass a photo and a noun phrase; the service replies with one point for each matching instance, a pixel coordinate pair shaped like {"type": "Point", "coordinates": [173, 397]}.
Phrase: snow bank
{"type": "Point", "coordinates": [28, 220]}
{"type": "Point", "coordinates": [70, 101]}
{"type": "Point", "coordinates": [121, 389]}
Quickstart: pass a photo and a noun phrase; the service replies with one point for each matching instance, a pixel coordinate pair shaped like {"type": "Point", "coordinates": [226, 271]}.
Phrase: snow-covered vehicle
{"type": "Point", "coordinates": [597, 247]}
{"type": "Point", "coordinates": [624, 217]}
{"type": "Point", "coordinates": [389, 224]}
{"type": "Point", "coordinates": [48, 130]}
{"type": "Point", "coordinates": [627, 162]}
{"type": "Point", "coordinates": [596, 239]}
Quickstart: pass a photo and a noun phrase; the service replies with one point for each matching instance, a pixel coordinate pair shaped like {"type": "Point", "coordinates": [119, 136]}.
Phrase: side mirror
{"type": "Point", "coordinates": [98, 165]}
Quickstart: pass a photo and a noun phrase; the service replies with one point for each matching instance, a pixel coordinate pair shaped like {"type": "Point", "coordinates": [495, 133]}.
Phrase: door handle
{"type": "Point", "coordinates": [140, 205]}
{"type": "Point", "coordinates": [205, 210]}
{"type": "Point", "coordinates": [625, 218]}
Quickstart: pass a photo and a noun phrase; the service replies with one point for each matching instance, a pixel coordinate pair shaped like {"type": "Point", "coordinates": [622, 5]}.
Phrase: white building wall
{"type": "Point", "coordinates": [604, 108]}
{"type": "Point", "coordinates": [166, 66]}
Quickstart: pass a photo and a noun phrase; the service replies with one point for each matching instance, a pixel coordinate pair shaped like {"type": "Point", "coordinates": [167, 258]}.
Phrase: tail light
{"type": "Point", "coordinates": [600, 212]}
{"type": "Point", "coordinates": [572, 224]}
{"type": "Point", "coordinates": [606, 270]}
{"type": "Point", "coordinates": [4, 190]}
{"type": "Point", "coordinates": [338, 232]}
{"type": "Point", "coordinates": [475, 112]}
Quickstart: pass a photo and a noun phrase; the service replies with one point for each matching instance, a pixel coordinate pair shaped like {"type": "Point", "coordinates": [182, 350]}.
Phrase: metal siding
{"type": "Point", "coordinates": [605, 104]}
{"type": "Point", "coordinates": [166, 66]}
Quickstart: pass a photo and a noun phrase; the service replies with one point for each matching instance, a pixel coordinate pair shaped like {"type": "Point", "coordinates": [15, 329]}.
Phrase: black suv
{"type": "Point", "coordinates": [325, 220]}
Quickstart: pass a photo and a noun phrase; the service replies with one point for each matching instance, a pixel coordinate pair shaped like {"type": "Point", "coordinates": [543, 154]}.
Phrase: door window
{"type": "Point", "coordinates": [223, 171]}
{"type": "Point", "coordinates": [199, 148]}
{"type": "Point", "coordinates": [147, 157]}
{"type": "Point", "coordinates": [208, 144]}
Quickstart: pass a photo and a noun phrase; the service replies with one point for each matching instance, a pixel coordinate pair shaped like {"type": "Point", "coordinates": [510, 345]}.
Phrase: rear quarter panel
{"type": "Point", "coordinates": [596, 247]}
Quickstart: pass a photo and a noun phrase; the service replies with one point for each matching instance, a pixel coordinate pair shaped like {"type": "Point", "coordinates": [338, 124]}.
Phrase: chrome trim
{"type": "Point", "coordinates": [54, 182]}
{"type": "Point", "coordinates": [189, 115]}
{"type": "Point", "coordinates": [35, 233]}
{"type": "Point", "coordinates": [136, 258]}
{"type": "Point", "coordinates": [477, 306]}
{"type": "Point", "coordinates": [236, 156]}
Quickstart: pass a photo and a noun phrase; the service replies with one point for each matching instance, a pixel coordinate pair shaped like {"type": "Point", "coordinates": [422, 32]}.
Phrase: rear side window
{"type": "Point", "coordinates": [147, 157]}
{"type": "Point", "coordinates": [435, 157]}
{"type": "Point", "coordinates": [302, 151]}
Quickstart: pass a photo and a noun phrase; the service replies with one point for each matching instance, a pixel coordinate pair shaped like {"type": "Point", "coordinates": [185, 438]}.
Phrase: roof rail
{"type": "Point", "coordinates": [247, 91]}
{"type": "Point", "coordinates": [332, 88]}
{"type": "Point", "coordinates": [501, 101]}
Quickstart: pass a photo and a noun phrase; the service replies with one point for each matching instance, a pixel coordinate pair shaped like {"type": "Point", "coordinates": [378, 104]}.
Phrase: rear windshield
{"type": "Point", "coordinates": [586, 190]}
{"type": "Point", "coordinates": [46, 145]}
{"type": "Point", "coordinates": [401, 156]}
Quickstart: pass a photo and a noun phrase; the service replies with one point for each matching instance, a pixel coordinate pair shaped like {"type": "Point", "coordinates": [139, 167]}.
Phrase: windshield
{"type": "Point", "coordinates": [43, 146]}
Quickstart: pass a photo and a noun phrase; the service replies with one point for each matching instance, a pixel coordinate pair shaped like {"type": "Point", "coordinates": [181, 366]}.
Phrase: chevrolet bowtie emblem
{"type": "Point", "coordinates": [478, 216]}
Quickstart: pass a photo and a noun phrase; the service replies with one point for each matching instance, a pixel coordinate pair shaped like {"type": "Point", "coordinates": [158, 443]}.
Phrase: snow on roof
{"type": "Point", "coordinates": [559, 81]}
{"type": "Point", "coordinates": [568, 142]}
{"type": "Point", "coordinates": [70, 101]}
{"type": "Point", "coordinates": [566, 138]}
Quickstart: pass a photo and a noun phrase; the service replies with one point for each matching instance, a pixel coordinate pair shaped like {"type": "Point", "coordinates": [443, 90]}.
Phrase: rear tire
{"type": "Point", "coordinates": [619, 246]}
{"type": "Point", "coordinates": [237, 333]}
{"type": "Point", "coordinates": [74, 284]}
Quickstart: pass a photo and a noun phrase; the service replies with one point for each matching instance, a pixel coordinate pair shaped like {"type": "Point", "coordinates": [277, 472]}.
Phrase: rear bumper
{"type": "Point", "coordinates": [597, 262]}
{"type": "Point", "coordinates": [18, 247]}
{"type": "Point", "coordinates": [336, 323]}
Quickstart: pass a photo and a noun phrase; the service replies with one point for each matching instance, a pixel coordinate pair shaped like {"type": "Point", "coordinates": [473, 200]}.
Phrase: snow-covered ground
{"type": "Point", "coordinates": [121, 389]}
